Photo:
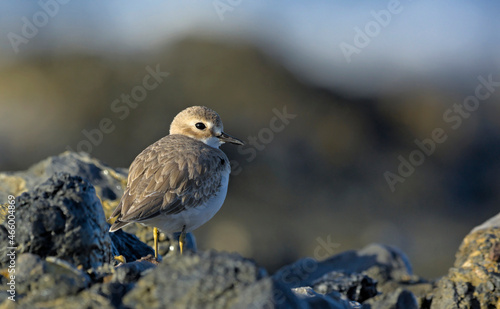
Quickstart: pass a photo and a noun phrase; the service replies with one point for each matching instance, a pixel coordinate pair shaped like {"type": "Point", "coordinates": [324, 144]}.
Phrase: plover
{"type": "Point", "coordinates": [179, 182]}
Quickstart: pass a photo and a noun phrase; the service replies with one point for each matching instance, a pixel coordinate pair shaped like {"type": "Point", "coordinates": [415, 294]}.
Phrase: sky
{"type": "Point", "coordinates": [364, 47]}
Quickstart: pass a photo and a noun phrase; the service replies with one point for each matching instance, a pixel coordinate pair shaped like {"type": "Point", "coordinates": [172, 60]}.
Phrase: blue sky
{"type": "Point", "coordinates": [442, 43]}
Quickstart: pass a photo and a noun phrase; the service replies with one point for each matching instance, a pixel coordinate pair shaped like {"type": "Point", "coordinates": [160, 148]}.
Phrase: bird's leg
{"type": "Point", "coordinates": [182, 239]}
{"type": "Point", "coordinates": [155, 237]}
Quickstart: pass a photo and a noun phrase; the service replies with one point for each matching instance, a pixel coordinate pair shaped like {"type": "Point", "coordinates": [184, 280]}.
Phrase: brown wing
{"type": "Point", "coordinates": [174, 173]}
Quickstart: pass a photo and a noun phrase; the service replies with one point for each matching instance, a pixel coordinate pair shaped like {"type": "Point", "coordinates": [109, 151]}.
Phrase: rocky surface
{"type": "Point", "coordinates": [335, 151]}
{"type": "Point", "coordinates": [474, 279]}
{"type": "Point", "coordinates": [201, 280]}
{"type": "Point", "coordinates": [377, 276]}
{"type": "Point", "coordinates": [64, 259]}
{"type": "Point", "coordinates": [109, 184]}
{"type": "Point", "coordinates": [61, 218]}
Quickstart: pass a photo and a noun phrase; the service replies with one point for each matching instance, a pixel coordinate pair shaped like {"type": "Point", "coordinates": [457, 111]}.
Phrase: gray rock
{"type": "Point", "coordinates": [406, 300]}
{"type": "Point", "coordinates": [109, 182]}
{"type": "Point", "coordinates": [62, 218]}
{"type": "Point", "coordinates": [395, 299]}
{"type": "Point", "coordinates": [113, 292]}
{"type": "Point", "coordinates": [390, 263]}
{"type": "Point", "coordinates": [384, 262]}
{"type": "Point", "coordinates": [355, 287]}
{"type": "Point", "coordinates": [41, 280]}
{"type": "Point", "coordinates": [318, 300]}
{"type": "Point", "coordinates": [474, 281]}
{"type": "Point", "coordinates": [353, 274]}
{"type": "Point", "coordinates": [61, 230]}
{"type": "Point", "coordinates": [284, 297]}
{"type": "Point", "coordinates": [131, 272]}
{"type": "Point", "coordinates": [207, 280]}
{"type": "Point", "coordinates": [490, 223]}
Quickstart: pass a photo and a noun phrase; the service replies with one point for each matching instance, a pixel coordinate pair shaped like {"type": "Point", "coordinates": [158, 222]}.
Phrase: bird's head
{"type": "Point", "coordinates": [203, 124]}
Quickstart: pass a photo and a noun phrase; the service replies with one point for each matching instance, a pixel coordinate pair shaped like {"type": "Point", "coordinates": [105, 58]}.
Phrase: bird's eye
{"type": "Point", "coordinates": [200, 126]}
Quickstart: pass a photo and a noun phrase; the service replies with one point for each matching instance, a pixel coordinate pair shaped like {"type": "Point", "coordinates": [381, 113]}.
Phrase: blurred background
{"type": "Point", "coordinates": [328, 95]}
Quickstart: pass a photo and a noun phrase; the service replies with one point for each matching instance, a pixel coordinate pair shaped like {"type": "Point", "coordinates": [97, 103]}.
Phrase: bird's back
{"type": "Point", "coordinates": [173, 174]}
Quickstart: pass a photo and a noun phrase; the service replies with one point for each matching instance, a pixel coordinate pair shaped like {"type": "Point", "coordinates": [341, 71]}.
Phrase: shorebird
{"type": "Point", "coordinates": [179, 182]}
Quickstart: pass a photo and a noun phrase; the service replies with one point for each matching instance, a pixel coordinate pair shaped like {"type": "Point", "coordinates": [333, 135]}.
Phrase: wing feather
{"type": "Point", "coordinates": [174, 173]}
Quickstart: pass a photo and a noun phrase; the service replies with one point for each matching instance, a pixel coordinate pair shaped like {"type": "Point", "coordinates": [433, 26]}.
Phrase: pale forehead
{"type": "Point", "coordinates": [201, 113]}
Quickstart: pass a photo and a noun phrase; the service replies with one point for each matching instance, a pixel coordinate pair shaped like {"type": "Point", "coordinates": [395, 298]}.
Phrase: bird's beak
{"type": "Point", "coordinates": [226, 138]}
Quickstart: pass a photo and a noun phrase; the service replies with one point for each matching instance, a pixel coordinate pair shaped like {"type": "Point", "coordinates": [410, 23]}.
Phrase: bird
{"type": "Point", "coordinates": [179, 182]}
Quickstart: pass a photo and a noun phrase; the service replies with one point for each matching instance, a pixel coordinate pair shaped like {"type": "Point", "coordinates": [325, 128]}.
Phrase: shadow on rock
{"type": "Point", "coordinates": [65, 255]}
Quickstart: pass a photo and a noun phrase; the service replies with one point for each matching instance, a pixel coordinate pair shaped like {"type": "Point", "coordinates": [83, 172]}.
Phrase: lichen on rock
{"type": "Point", "coordinates": [474, 279]}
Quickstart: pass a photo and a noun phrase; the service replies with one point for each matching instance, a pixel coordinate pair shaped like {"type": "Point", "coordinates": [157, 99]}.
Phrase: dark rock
{"type": "Point", "coordinates": [113, 292]}
{"type": "Point", "coordinates": [318, 300]}
{"type": "Point", "coordinates": [62, 218]}
{"type": "Point", "coordinates": [353, 274]}
{"type": "Point", "coordinates": [109, 182]}
{"type": "Point", "coordinates": [395, 299]}
{"type": "Point", "coordinates": [61, 230]}
{"type": "Point", "coordinates": [380, 262]}
{"type": "Point", "coordinates": [206, 280]}
{"type": "Point", "coordinates": [390, 263]}
{"type": "Point", "coordinates": [284, 297]}
{"type": "Point", "coordinates": [131, 272]}
{"type": "Point", "coordinates": [55, 283]}
{"type": "Point", "coordinates": [43, 280]}
{"type": "Point", "coordinates": [129, 246]}
{"type": "Point", "coordinates": [474, 281]}
{"type": "Point", "coordinates": [406, 300]}
{"type": "Point", "coordinates": [356, 287]}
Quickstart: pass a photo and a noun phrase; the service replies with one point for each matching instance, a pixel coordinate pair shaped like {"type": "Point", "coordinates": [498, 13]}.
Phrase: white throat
{"type": "Point", "coordinates": [212, 142]}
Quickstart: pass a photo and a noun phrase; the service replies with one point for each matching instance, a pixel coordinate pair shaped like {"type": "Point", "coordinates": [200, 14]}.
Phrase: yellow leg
{"type": "Point", "coordinates": [182, 239]}
{"type": "Point", "coordinates": [155, 236]}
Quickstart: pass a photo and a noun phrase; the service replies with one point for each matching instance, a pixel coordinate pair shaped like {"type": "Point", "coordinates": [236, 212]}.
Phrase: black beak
{"type": "Point", "coordinates": [226, 138]}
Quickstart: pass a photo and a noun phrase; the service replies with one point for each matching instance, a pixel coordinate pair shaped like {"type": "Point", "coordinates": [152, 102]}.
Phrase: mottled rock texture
{"type": "Point", "coordinates": [474, 279]}
{"type": "Point", "coordinates": [64, 259]}
{"type": "Point", "coordinates": [62, 218]}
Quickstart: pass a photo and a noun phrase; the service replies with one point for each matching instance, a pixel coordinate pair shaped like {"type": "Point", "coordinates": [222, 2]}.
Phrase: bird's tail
{"type": "Point", "coordinates": [117, 225]}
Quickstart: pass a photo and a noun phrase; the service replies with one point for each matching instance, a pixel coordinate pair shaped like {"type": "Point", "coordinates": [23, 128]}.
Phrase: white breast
{"type": "Point", "coordinates": [192, 218]}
